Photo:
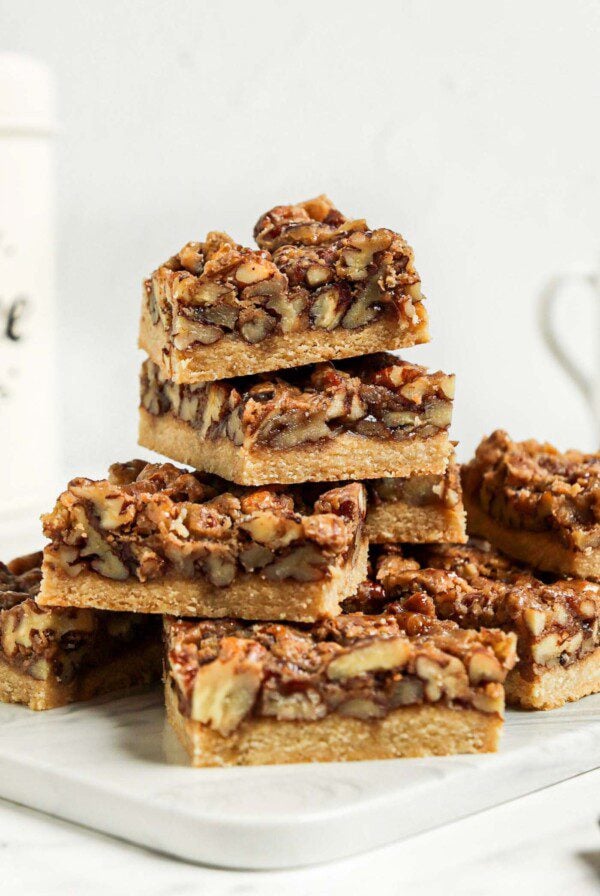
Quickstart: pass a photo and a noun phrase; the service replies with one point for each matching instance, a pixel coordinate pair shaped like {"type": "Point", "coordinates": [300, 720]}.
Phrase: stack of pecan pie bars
{"type": "Point", "coordinates": [319, 599]}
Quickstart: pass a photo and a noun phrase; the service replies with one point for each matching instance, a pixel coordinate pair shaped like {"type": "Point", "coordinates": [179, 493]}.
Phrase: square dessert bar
{"type": "Point", "coordinates": [354, 687]}
{"type": "Point", "coordinates": [419, 509]}
{"type": "Point", "coordinates": [365, 418]}
{"type": "Point", "coordinates": [536, 504]}
{"type": "Point", "coordinates": [320, 286]}
{"type": "Point", "coordinates": [53, 656]}
{"type": "Point", "coordinates": [154, 538]}
{"type": "Point", "coordinates": [556, 622]}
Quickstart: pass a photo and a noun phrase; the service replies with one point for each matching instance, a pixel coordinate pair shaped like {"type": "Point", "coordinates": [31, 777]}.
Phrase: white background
{"type": "Point", "coordinates": [471, 127]}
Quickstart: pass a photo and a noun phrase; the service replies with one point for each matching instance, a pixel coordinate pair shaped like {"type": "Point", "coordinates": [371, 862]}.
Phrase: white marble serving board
{"type": "Point", "coordinates": [114, 765]}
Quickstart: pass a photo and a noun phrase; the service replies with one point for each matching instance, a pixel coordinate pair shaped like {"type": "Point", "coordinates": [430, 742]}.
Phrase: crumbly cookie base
{"type": "Point", "coordinates": [139, 665]}
{"type": "Point", "coordinates": [346, 456]}
{"type": "Point", "coordinates": [233, 356]}
{"type": "Point", "coordinates": [396, 521]}
{"type": "Point", "coordinates": [427, 730]}
{"type": "Point", "coordinates": [555, 686]}
{"type": "Point", "coordinates": [248, 597]}
{"type": "Point", "coordinates": [542, 550]}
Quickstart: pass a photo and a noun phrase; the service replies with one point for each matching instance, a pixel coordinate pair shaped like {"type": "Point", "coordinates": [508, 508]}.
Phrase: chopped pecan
{"type": "Point", "coordinates": [153, 519]}
{"type": "Point", "coordinates": [379, 397]}
{"type": "Point", "coordinates": [313, 222]}
{"type": "Point", "coordinates": [533, 486]}
{"type": "Point", "coordinates": [326, 271]}
{"type": "Point", "coordinates": [475, 586]}
{"type": "Point", "coordinates": [255, 325]}
{"type": "Point", "coordinates": [225, 689]}
{"type": "Point", "coordinates": [376, 656]}
{"type": "Point", "coordinates": [354, 665]}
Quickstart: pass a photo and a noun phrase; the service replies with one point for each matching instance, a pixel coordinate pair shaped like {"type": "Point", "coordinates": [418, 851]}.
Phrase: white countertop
{"type": "Point", "coordinates": [551, 835]}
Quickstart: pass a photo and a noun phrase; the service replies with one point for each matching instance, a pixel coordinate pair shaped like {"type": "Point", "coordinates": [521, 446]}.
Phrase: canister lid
{"type": "Point", "coordinates": [27, 97]}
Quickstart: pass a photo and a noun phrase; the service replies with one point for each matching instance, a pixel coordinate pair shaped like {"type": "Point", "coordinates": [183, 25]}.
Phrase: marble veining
{"type": "Point", "coordinates": [115, 765]}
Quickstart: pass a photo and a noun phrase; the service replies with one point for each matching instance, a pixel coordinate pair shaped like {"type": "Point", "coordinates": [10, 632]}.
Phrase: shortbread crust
{"type": "Point", "coordinates": [337, 289]}
{"type": "Point", "coordinates": [538, 504]}
{"type": "Point", "coordinates": [347, 456]}
{"type": "Point", "coordinates": [247, 597]}
{"type": "Point", "coordinates": [539, 549]}
{"type": "Point", "coordinates": [411, 731]}
{"type": "Point", "coordinates": [253, 693]}
{"type": "Point", "coordinates": [156, 538]}
{"type": "Point", "coordinates": [53, 656]}
{"type": "Point", "coordinates": [365, 418]}
{"type": "Point", "coordinates": [556, 622]}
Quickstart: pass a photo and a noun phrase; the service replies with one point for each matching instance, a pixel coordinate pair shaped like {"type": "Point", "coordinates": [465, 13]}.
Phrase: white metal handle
{"type": "Point", "coordinates": [548, 299]}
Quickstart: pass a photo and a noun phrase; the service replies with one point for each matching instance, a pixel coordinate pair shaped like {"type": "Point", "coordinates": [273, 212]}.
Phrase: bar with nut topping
{"type": "Point", "coordinates": [155, 538]}
{"type": "Point", "coordinates": [320, 286]}
{"type": "Point", "coordinates": [52, 656]}
{"type": "Point", "coordinates": [556, 622]}
{"type": "Point", "coordinates": [417, 509]}
{"type": "Point", "coordinates": [354, 687]}
{"type": "Point", "coordinates": [365, 418]}
{"type": "Point", "coordinates": [537, 504]}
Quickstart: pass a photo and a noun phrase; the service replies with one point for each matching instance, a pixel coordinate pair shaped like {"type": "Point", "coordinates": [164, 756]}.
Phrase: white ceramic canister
{"type": "Point", "coordinates": [28, 405]}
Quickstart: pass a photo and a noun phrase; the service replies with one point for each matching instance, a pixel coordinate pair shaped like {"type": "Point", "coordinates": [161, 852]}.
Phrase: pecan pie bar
{"type": "Point", "coordinates": [320, 286]}
{"type": "Point", "coordinates": [537, 504]}
{"type": "Point", "coordinates": [158, 539]}
{"type": "Point", "coordinates": [418, 509]}
{"type": "Point", "coordinates": [556, 622]}
{"type": "Point", "coordinates": [354, 687]}
{"type": "Point", "coordinates": [53, 656]}
{"type": "Point", "coordinates": [366, 418]}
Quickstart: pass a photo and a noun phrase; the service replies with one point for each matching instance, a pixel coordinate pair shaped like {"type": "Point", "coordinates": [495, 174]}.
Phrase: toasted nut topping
{"type": "Point", "coordinates": [204, 291]}
{"type": "Point", "coordinates": [255, 325]}
{"type": "Point", "coordinates": [225, 690]}
{"type": "Point", "coordinates": [361, 708]}
{"type": "Point", "coordinates": [490, 700]}
{"type": "Point", "coordinates": [317, 274]}
{"type": "Point", "coordinates": [304, 564]}
{"type": "Point", "coordinates": [407, 691]}
{"type": "Point", "coordinates": [391, 653]}
{"type": "Point", "coordinates": [485, 667]}
{"type": "Point", "coordinates": [547, 649]}
{"type": "Point", "coordinates": [328, 308]}
{"type": "Point", "coordinates": [532, 486]}
{"type": "Point", "coordinates": [535, 620]}
{"type": "Point", "coordinates": [306, 706]}
{"type": "Point", "coordinates": [253, 271]}
{"type": "Point", "coordinates": [271, 529]}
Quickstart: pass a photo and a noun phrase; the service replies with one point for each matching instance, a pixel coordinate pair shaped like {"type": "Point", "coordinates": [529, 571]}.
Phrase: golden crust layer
{"type": "Point", "coordinates": [407, 732]}
{"type": "Point", "coordinates": [554, 687]}
{"type": "Point", "coordinates": [138, 666]}
{"type": "Point", "coordinates": [182, 540]}
{"type": "Point", "coordinates": [347, 456]}
{"type": "Point", "coordinates": [247, 597]}
{"type": "Point", "coordinates": [395, 522]}
{"type": "Point", "coordinates": [54, 655]}
{"type": "Point", "coordinates": [556, 623]}
{"type": "Point", "coordinates": [538, 504]}
{"type": "Point", "coordinates": [232, 357]}
{"type": "Point", "coordinates": [539, 549]}
{"type": "Point", "coordinates": [326, 285]}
